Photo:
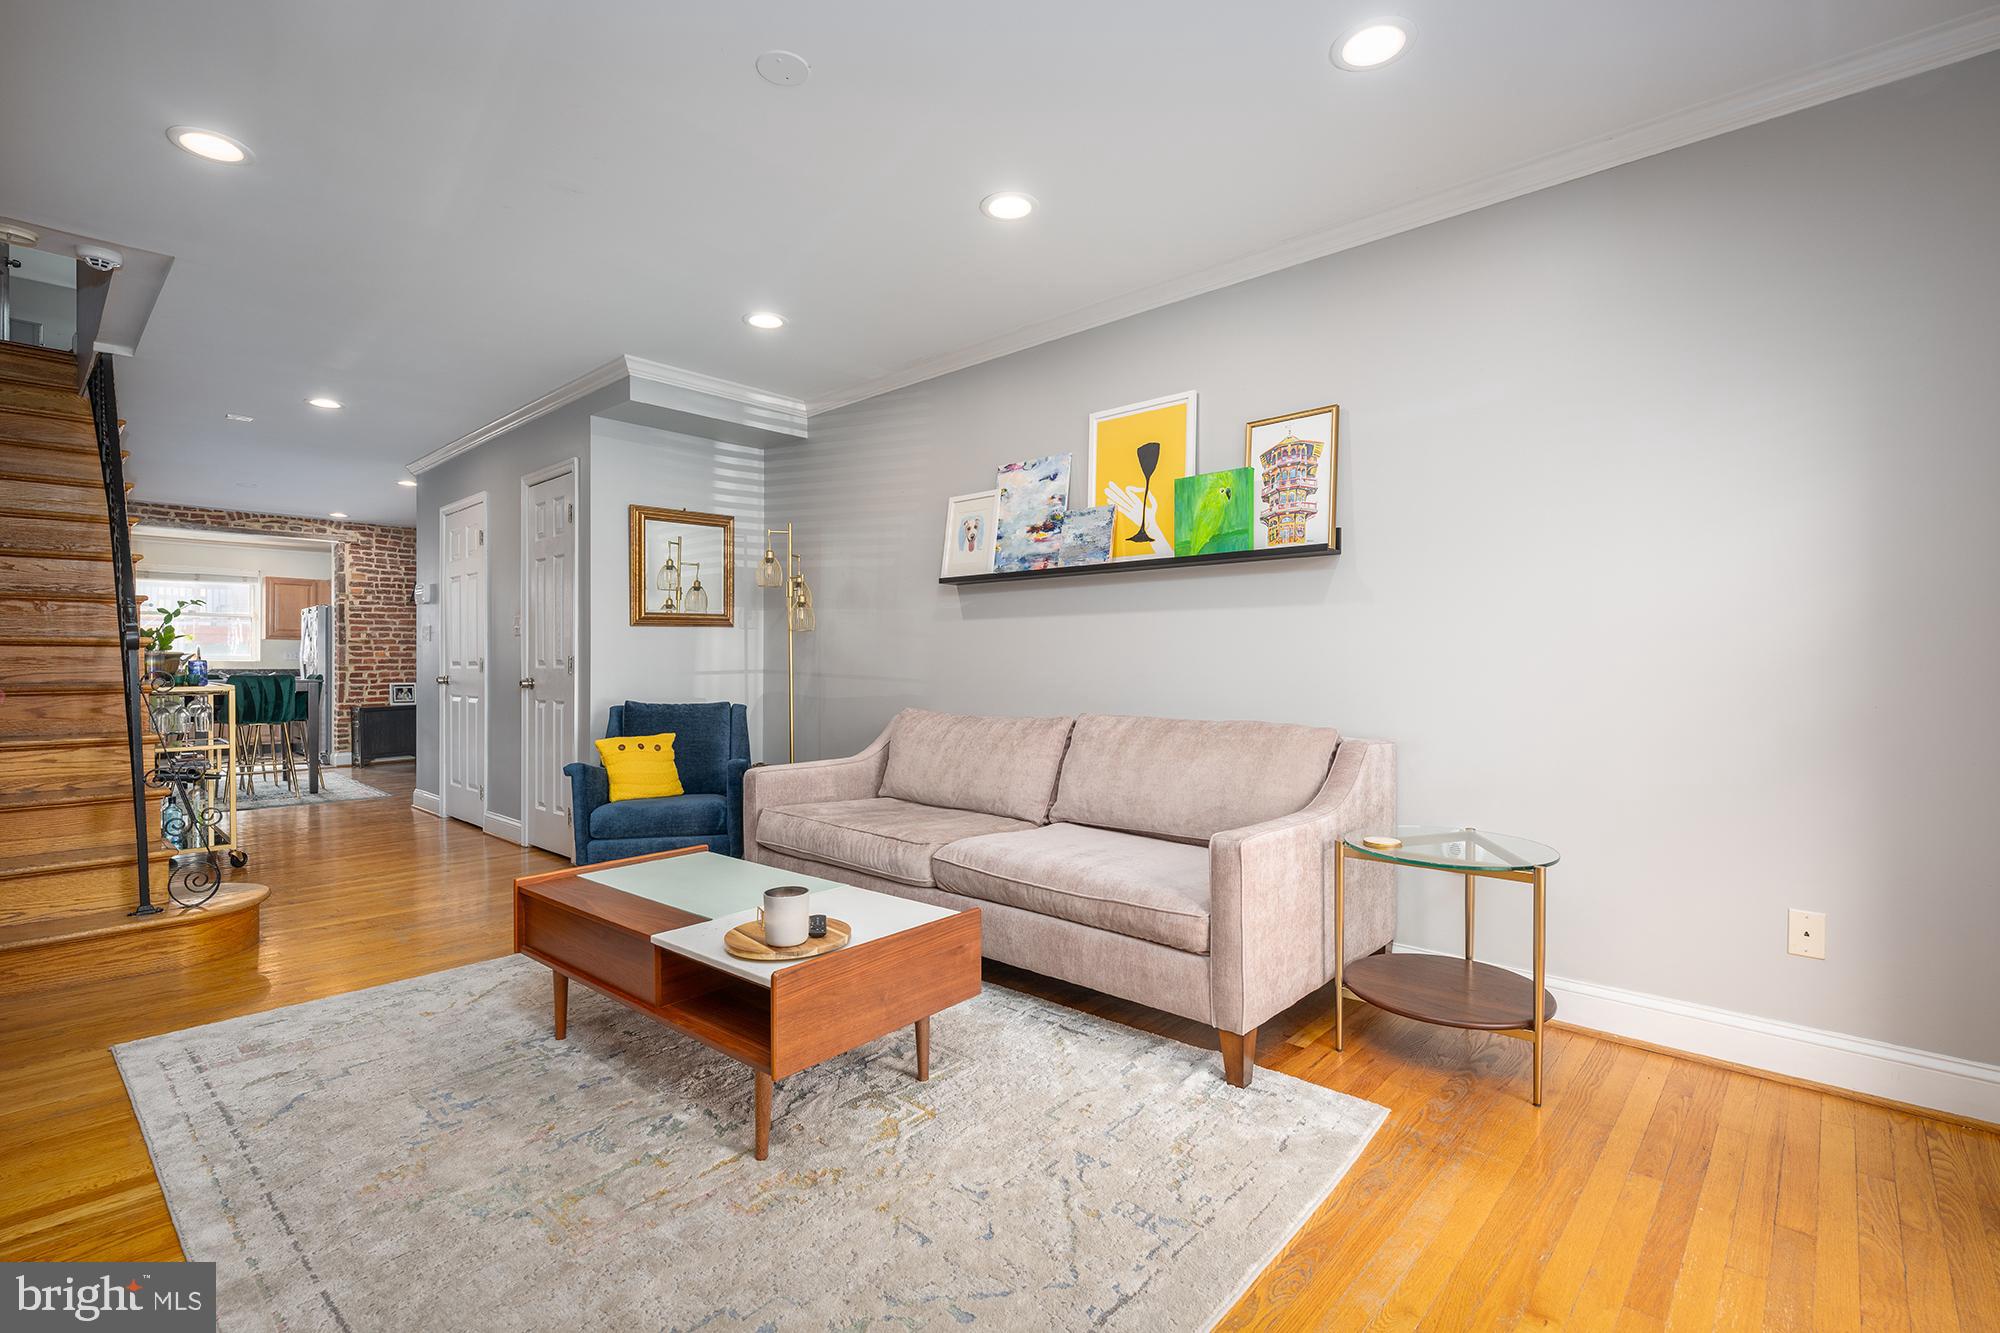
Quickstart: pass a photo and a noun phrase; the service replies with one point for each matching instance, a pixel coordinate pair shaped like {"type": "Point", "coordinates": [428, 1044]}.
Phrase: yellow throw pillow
{"type": "Point", "coordinates": [640, 766]}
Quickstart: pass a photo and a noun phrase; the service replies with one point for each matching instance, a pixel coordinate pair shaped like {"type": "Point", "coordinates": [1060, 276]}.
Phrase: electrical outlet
{"type": "Point", "coordinates": [1808, 934]}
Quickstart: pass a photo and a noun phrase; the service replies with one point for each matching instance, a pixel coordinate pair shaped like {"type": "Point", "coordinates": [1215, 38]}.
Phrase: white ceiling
{"type": "Point", "coordinates": [457, 205]}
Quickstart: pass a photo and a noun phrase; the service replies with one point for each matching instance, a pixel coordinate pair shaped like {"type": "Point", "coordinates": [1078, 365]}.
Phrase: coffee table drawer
{"type": "Point", "coordinates": [600, 953]}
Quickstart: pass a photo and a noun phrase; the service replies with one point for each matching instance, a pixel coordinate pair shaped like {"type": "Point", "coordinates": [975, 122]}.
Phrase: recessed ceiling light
{"type": "Point", "coordinates": [236, 416]}
{"type": "Point", "coordinates": [324, 403]}
{"type": "Point", "coordinates": [207, 143]}
{"type": "Point", "coordinates": [336, 514]}
{"type": "Point", "coordinates": [1372, 45]}
{"type": "Point", "coordinates": [764, 319]}
{"type": "Point", "coordinates": [406, 481]}
{"type": "Point", "coordinates": [1007, 205]}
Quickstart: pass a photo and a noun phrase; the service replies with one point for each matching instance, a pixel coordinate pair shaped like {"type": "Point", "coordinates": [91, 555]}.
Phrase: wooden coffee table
{"type": "Point", "coordinates": [648, 933]}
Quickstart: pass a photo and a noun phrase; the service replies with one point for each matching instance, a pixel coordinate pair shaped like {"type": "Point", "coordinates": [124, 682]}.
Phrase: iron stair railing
{"type": "Point", "coordinates": [104, 414]}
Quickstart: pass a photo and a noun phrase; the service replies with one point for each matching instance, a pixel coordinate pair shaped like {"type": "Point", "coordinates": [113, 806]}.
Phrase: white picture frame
{"type": "Point", "coordinates": [966, 553]}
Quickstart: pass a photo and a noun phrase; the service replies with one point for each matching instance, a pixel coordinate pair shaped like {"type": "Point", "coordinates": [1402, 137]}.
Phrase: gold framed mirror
{"type": "Point", "coordinates": [683, 567]}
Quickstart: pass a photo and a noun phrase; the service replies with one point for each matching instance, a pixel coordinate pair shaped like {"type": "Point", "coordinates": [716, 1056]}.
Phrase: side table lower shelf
{"type": "Point", "coordinates": [1452, 992]}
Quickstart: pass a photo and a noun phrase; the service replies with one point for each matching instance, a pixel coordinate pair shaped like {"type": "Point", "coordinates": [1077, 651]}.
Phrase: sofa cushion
{"type": "Point", "coordinates": [1186, 779]}
{"type": "Point", "coordinates": [701, 739]}
{"type": "Point", "coordinates": [690, 816]}
{"type": "Point", "coordinates": [880, 835]}
{"type": "Point", "coordinates": [1147, 888]}
{"type": "Point", "coordinates": [1003, 766]}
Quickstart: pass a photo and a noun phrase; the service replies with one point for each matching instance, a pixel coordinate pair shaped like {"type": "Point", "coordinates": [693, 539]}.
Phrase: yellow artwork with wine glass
{"type": "Point", "coordinates": [1137, 452]}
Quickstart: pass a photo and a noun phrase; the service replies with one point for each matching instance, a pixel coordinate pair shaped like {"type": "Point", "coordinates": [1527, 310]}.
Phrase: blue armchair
{"type": "Point", "coordinates": [711, 750]}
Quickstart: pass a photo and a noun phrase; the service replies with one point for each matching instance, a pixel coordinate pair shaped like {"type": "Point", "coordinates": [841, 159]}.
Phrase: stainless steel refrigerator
{"type": "Point", "coordinates": [316, 659]}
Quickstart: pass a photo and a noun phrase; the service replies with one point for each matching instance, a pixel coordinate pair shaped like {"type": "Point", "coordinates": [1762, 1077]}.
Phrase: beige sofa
{"type": "Point", "coordinates": [1179, 864]}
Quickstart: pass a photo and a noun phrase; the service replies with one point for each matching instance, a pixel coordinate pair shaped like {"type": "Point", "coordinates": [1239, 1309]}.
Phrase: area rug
{"type": "Point", "coordinates": [333, 787]}
{"type": "Point", "coordinates": [426, 1155]}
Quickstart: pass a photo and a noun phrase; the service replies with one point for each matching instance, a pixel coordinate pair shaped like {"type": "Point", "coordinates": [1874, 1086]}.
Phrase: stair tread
{"type": "Point", "coordinates": [104, 793]}
{"type": "Point", "coordinates": [54, 929]}
{"type": "Point", "coordinates": [76, 858]}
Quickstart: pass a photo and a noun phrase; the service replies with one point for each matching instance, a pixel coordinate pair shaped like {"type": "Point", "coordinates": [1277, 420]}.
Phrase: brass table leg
{"type": "Point", "coordinates": [1471, 892]}
{"type": "Point", "coordinates": [1339, 945]}
{"type": "Point", "coordinates": [1541, 970]}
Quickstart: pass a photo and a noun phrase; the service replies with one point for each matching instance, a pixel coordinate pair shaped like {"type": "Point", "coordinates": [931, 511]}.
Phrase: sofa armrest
{"type": "Point", "coordinates": [589, 787]}
{"type": "Point", "coordinates": [733, 796]}
{"type": "Point", "coordinates": [1271, 892]}
{"type": "Point", "coordinates": [854, 778]}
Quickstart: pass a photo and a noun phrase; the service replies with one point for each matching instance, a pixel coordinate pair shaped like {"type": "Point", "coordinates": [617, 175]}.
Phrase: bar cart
{"type": "Point", "coordinates": [195, 764]}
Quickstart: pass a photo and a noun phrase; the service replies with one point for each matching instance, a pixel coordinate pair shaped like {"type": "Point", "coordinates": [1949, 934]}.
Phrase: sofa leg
{"type": "Point", "coordinates": [1239, 1056]}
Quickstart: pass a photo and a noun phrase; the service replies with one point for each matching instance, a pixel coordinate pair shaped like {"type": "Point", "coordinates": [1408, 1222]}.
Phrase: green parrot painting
{"type": "Point", "coordinates": [1213, 511]}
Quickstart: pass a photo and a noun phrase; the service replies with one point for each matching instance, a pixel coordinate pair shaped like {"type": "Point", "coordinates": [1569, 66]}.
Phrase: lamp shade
{"type": "Point", "coordinates": [801, 617]}
{"type": "Point", "coordinates": [696, 602]}
{"type": "Point", "coordinates": [769, 575]}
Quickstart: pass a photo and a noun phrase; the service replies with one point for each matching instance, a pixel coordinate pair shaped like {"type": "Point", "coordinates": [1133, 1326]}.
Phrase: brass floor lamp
{"type": "Point", "coordinates": [799, 619]}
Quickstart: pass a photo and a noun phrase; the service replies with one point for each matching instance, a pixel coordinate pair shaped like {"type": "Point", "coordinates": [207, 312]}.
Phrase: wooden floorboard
{"type": "Point", "coordinates": [1649, 1192]}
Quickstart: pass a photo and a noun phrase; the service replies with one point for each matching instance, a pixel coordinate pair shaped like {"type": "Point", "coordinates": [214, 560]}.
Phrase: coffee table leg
{"type": "Point", "coordinates": [923, 1050]}
{"type": "Point", "coordinates": [763, 1115]}
{"type": "Point", "coordinates": [562, 1005]}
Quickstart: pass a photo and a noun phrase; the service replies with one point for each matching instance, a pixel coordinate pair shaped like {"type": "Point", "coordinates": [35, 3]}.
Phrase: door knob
{"type": "Point", "coordinates": [444, 680]}
{"type": "Point", "coordinates": [527, 682]}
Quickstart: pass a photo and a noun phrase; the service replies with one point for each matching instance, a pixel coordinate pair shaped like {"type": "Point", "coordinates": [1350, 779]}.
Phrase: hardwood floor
{"type": "Point", "coordinates": [1650, 1191]}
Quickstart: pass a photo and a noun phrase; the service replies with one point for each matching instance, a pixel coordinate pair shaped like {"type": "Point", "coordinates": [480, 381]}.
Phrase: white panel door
{"type": "Point", "coordinates": [548, 657]}
{"type": "Point", "coordinates": [465, 662]}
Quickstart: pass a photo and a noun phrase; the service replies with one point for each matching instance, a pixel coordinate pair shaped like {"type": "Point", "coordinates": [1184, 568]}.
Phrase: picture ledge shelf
{"type": "Point", "coordinates": [1147, 566]}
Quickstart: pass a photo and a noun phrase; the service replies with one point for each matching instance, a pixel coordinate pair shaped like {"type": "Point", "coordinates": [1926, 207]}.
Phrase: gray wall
{"type": "Point", "coordinates": [633, 464]}
{"type": "Point", "coordinates": [1668, 497]}
{"type": "Point", "coordinates": [496, 467]}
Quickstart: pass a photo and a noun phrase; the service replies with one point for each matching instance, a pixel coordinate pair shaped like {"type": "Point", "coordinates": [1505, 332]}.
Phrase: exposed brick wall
{"type": "Point", "coordinates": [374, 568]}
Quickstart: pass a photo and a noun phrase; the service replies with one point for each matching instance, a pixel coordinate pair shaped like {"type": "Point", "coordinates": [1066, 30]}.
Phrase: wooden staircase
{"type": "Point", "coordinates": [68, 858]}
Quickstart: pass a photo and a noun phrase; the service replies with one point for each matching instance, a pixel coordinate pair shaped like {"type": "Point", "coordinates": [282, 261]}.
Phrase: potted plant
{"type": "Point", "coordinates": [161, 659]}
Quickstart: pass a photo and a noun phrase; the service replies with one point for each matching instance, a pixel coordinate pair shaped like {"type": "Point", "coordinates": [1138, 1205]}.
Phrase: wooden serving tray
{"type": "Point", "coordinates": [747, 941]}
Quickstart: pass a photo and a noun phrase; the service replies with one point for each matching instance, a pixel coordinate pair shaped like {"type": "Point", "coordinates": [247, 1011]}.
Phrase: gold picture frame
{"type": "Point", "coordinates": [669, 548]}
{"type": "Point", "coordinates": [1277, 525]}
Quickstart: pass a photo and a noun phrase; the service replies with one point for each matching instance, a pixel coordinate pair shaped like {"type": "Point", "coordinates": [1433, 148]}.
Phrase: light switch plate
{"type": "Point", "coordinates": [1808, 939]}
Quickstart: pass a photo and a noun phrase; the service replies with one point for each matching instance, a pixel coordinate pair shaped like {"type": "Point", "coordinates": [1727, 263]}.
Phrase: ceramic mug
{"type": "Point", "coordinates": [784, 915]}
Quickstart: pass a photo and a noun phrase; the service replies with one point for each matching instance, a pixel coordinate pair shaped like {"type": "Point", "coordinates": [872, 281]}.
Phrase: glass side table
{"type": "Point", "coordinates": [1434, 989]}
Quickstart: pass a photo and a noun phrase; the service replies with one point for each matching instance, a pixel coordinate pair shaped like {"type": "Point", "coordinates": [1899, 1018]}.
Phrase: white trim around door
{"type": "Point", "coordinates": [464, 680]}
{"type": "Point", "coordinates": [550, 712]}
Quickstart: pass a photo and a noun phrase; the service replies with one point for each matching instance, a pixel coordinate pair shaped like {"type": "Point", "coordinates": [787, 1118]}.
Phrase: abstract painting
{"type": "Point", "coordinates": [1136, 454]}
{"type": "Point", "coordinates": [1296, 460]}
{"type": "Point", "coordinates": [1028, 515]}
{"type": "Point", "coordinates": [968, 534]}
{"type": "Point", "coordinates": [1213, 512]}
{"type": "Point", "coordinates": [1086, 536]}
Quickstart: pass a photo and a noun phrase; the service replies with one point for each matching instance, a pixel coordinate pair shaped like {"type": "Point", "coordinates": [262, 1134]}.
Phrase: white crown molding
{"type": "Point", "coordinates": [582, 386]}
{"type": "Point", "coordinates": [1945, 44]}
{"type": "Point", "coordinates": [623, 367]}
{"type": "Point", "coordinates": [658, 372]}
{"type": "Point", "coordinates": [1858, 1064]}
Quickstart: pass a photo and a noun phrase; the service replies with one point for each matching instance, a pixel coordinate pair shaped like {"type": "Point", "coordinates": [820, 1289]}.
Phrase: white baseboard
{"type": "Point", "coordinates": [1858, 1064]}
{"type": "Point", "coordinates": [427, 801]}
{"type": "Point", "coordinates": [500, 826]}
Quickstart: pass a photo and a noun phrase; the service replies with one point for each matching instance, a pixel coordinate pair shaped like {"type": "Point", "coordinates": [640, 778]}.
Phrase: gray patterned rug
{"type": "Point", "coordinates": [425, 1155]}
{"type": "Point", "coordinates": [333, 786]}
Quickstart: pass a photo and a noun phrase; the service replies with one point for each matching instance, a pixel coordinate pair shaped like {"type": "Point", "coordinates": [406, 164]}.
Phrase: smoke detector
{"type": "Point", "coordinates": [786, 69]}
{"type": "Point", "coordinates": [101, 257]}
{"type": "Point", "coordinates": [13, 233]}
